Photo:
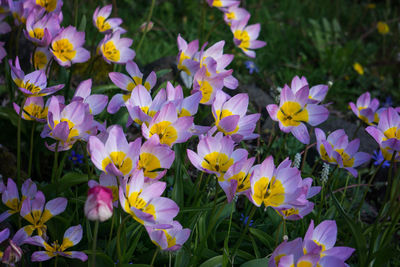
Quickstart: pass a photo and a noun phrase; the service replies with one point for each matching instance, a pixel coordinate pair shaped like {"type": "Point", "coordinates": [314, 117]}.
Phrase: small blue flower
{"type": "Point", "coordinates": [75, 157]}
{"type": "Point", "coordinates": [244, 219]}
{"type": "Point", "coordinates": [378, 157]}
{"type": "Point", "coordinates": [251, 66]}
{"type": "Point", "coordinates": [388, 102]}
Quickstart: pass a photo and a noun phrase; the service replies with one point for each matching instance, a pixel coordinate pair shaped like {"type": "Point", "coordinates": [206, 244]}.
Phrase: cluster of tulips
{"type": "Point", "coordinates": [130, 173]}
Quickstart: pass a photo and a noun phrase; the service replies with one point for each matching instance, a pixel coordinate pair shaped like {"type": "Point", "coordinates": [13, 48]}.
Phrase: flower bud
{"type": "Point", "coordinates": [98, 205]}
{"type": "Point", "coordinates": [12, 254]}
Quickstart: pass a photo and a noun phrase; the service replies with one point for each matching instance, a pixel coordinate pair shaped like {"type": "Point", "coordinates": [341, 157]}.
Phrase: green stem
{"type": "Point", "coordinates": [17, 39]}
{"type": "Point", "coordinates": [147, 23]}
{"type": "Point", "coordinates": [355, 133]}
{"type": "Point", "coordinates": [55, 163]}
{"type": "Point", "coordinates": [154, 257]}
{"type": "Point", "coordinates": [112, 228]}
{"type": "Point", "coordinates": [119, 237]}
{"type": "Point", "coordinates": [33, 57]}
{"type": "Point", "coordinates": [368, 186]}
{"type": "Point", "coordinates": [203, 18]}
{"type": "Point", "coordinates": [55, 261]}
{"type": "Point", "coordinates": [252, 212]}
{"type": "Point", "coordinates": [19, 142]}
{"type": "Point", "coordinates": [31, 149]}
{"type": "Point", "coordinates": [76, 13]}
{"type": "Point", "coordinates": [96, 230]}
{"type": "Point", "coordinates": [67, 87]}
{"type": "Point", "coordinates": [345, 190]}
{"type": "Point", "coordinates": [85, 158]}
{"type": "Point", "coordinates": [304, 158]}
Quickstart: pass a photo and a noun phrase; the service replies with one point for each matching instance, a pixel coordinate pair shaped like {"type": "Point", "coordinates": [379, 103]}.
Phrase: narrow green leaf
{"type": "Point", "coordinates": [256, 263]}
{"type": "Point", "coordinates": [213, 262]}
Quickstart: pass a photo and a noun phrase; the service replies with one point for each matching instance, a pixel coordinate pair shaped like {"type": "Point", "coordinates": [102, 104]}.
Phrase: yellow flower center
{"type": "Point", "coordinates": [292, 114]}
{"type": "Point", "coordinates": [243, 181]}
{"type": "Point", "coordinates": [40, 60]}
{"type": "Point", "coordinates": [49, 5]}
{"type": "Point", "coordinates": [63, 50]}
{"type": "Point", "coordinates": [244, 37]}
{"type": "Point", "coordinates": [37, 33]}
{"type": "Point", "coordinates": [120, 160]}
{"type": "Point", "coordinates": [217, 162]}
{"type": "Point", "coordinates": [220, 115]}
{"type": "Point", "coordinates": [165, 131]}
{"type": "Point", "coordinates": [34, 111]}
{"type": "Point", "coordinates": [134, 200]}
{"type": "Point", "coordinates": [392, 132]}
{"type": "Point", "coordinates": [102, 25]}
{"type": "Point", "coordinates": [347, 160]}
{"type": "Point", "coordinates": [272, 193]}
{"type": "Point", "coordinates": [110, 51]}
{"type": "Point", "coordinates": [150, 165]}
{"type": "Point", "coordinates": [206, 91]}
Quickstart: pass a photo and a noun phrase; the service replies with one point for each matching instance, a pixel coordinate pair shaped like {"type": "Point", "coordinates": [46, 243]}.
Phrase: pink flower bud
{"type": "Point", "coordinates": [12, 254]}
{"type": "Point", "coordinates": [98, 205]}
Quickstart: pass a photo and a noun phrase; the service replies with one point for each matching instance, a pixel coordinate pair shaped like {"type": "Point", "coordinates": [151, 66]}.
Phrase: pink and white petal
{"type": "Point", "coordinates": [255, 44]}
{"type": "Point", "coordinates": [97, 103]}
{"type": "Point", "coordinates": [253, 31]}
{"type": "Point", "coordinates": [152, 191]}
{"type": "Point", "coordinates": [195, 159]}
{"type": "Point", "coordinates": [82, 55]}
{"type": "Point", "coordinates": [316, 114]}
{"type": "Point", "coordinates": [120, 80]}
{"type": "Point", "coordinates": [182, 126]}
{"type": "Point", "coordinates": [97, 152]}
{"type": "Point", "coordinates": [166, 209]}
{"type": "Point", "coordinates": [361, 158]}
{"type": "Point", "coordinates": [302, 95]}
{"type": "Point", "coordinates": [375, 133]}
{"type": "Point", "coordinates": [228, 124]}
{"type": "Point", "coordinates": [28, 189]}
{"type": "Point", "coordinates": [231, 82]}
{"type": "Point", "coordinates": [84, 88]}
{"type": "Point", "coordinates": [364, 100]}
{"type": "Point", "coordinates": [72, 236]}
{"type": "Point", "coordinates": [325, 233]}
{"type": "Point", "coordinates": [352, 147]}
{"type": "Point", "coordinates": [133, 69]}
{"type": "Point", "coordinates": [286, 95]}
{"type": "Point", "coordinates": [5, 215]}
{"type": "Point", "coordinates": [273, 111]}
{"type": "Point", "coordinates": [151, 79]}
{"type": "Point", "coordinates": [54, 207]}
{"type": "Point", "coordinates": [40, 256]}
{"type": "Point", "coordinates": [238, 104]}
{"type": "Point", "coordinates": [77, 255]}
{"type": "Point", "coordinates": [301, 133]}
{"type": "Point", "coordinates": [318, 92]}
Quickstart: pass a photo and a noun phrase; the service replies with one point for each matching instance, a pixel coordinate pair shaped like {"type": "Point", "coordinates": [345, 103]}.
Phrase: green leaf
{"type": "Point", "coordinates": [262, 237]}
{"type": "Point", "coordinates": [361, 243]}
{"type": "Point", "coordinates": [256, 263]}
{"type": "Point", "coordinates": [68, 180]}
{"type": "Point", "coordinates": [162, 72]}
{"type": "Point", "coordinates": [82, 25]}
{"type": "Point", "coordinates": [213, 262]}
{"type": "Point", "coordinates": [104, 88]}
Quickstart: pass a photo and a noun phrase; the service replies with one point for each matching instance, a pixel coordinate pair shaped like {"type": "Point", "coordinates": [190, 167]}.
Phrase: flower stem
{"type": "Point", "coordinates": [19, 142]}
{"type": "Point", "coordinates": [368, 186]}
{"type": "Point", "coordinates": [154, 257]}
{"type": "Point", "coordinates": [67, 87]}
{"type": "Point", "coordinates": [252, 212]}
{"type": "Point", "coordinates": [96, 230]}
{"type": "Point", "coordinates": [119, 237]}
{"type": "Point", "coordinates": [55, 261]}
{"type": "Point", "coordinates": [55, 163]}
{"type": "Point", "coordinates": [31, 149]}
{"type": "Point", "coordinates": [147, 23]}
